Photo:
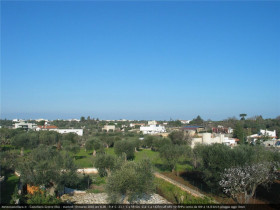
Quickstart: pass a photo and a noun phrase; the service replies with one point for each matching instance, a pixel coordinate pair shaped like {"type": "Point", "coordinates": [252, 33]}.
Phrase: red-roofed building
{"type": "Point", "coordinates": [47, 127]}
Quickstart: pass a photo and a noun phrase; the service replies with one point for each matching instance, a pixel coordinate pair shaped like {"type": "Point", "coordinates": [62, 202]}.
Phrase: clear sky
{"type": "Point", "coordinates": [140, 60]}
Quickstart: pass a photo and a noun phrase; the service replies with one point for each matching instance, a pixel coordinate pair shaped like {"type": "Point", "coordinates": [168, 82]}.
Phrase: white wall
{"type": "Point", "coordinates": [268, 133]}
{"type": "Point", "coordinates": [152, 129]}
{"type": "Point", "coordinates": [80, 132]}
{"type": "Point", "coordinates": [206, 138]}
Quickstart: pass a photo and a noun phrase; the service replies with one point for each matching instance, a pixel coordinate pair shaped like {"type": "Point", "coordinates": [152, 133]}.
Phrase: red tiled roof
{"type": "Point", "coordinates": [47, 126]}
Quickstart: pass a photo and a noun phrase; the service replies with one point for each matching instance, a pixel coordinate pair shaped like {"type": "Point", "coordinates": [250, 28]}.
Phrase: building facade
{"type": "Point", "coordinates": [152, 129]}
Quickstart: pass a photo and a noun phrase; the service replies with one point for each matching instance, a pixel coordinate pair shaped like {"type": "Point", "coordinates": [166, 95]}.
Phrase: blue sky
{"type": "Point", "coordinates": [140, 60]}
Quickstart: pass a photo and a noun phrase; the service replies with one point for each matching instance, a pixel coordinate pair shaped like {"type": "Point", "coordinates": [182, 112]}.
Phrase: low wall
{"type": "Point", "coordinates": [87, 170]}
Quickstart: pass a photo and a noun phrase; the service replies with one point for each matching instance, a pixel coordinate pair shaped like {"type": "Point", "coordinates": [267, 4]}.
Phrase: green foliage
{"type": "Point", "coordinates": [178, 137]}
{"type": "Point", "coordinates": [8, 159]}
{"type": "Point", "coordinates": [177, 196]}
{"type": "Point", "coordinates": [45, 165]}
{"type": "Point", "coordinates": [42, 198]}
{"type": "Point", "coordinates": [243, 116]}
{"type": "Point", "coordinates": [197, 121]}
{"type": "Point", "coordinates": [72, 137]}
{"type": "Point", "coordinates": [6, 135]}
{"type": "Point", "coordinates": [70, 142]}
{"type": "Point", "coordinates": [6, 122]}
{"type": "Point", "coordinates": [131, 181]}
{"type": "Point", "coordinates": [148, 141]}
{"type": "Point", "coordinates": [105, 163]}
{"type": "Point", "coordinates": [175, 123]}
{"type": "Point", "coordinates": [160, 142]}
{"type": "Point", "coordinates": [171, 154]}
{"type": "Point", "coordinates": [70, 147]}
{"type": "Point", "coordinates": [42, 122]}
{"type": "Point", "coordinates": [9, 188]}
{"type": "Point", "coordinates": [125, 146]}
{"type": "Point", "coordinates": [32, 139]}
{"type": "Point", "coordinates": [196, 154]}
{"type": "Point", "coordinates": [98, 180]}
{"type": "Point", "coordinates": [15, 196]}
{"type": "Point", "coordinates": [239, 133]}
{"type": "Point", "coordinates": [109, 140]}
{"type": "Point", "coordinates": [215, 158]}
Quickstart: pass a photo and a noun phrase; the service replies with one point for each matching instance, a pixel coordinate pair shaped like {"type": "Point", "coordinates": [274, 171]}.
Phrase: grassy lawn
{"type": "Point", "coordinates": [6, 147]}
{"type": "Point", "coordinates": [110, 151]}
{"type": "Point", "coordinates": [85, 159]}
{"type": "Point", "coordinates": [8, 187]}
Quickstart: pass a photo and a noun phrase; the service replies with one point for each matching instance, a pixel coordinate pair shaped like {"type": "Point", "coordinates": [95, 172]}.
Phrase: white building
{"type": "Point", "coordinates": [185, 121]}
{"type": "Point", "coordinates": [207, 138]}
{"type": "Point", "coordinates": [73, 120]}
{"type": "Point", "coordinates": [261, 134]}
{"type": "Point", "coordinates": [109, 128]}
{"type": "Point", "coordinates": [268, 133]}
{"type": "Point", "coordinates": [25, 125]}
{"type": "Point", "coordinates": [152, 122]}
{"type": "Point", "coordinates": [80, 132]}
{"type": "Point", "coordinates": [39, 120]}
{"type": "Point", "coordinates": [230, 130]}
{"type": "Point", "coordinates": [132, 125]}
{"type": "Point", "coordinates": [152, 129]}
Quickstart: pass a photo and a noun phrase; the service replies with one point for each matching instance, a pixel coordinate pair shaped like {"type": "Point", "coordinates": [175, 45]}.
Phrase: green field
{"type": "Point", "coordinates": [8, 188]}
{"type": "Point", "coordinates": [85, 159]}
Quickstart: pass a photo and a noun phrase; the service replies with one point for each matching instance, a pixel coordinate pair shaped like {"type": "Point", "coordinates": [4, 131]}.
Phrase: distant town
{"type": "Point", "coordinates": [80, 161]}
{"type": "Point", "coordinates": [207, 132]}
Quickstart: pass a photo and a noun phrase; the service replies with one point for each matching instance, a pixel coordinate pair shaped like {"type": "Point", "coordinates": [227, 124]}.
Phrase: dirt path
{"type": "Point", "coordinates": [181, 186]}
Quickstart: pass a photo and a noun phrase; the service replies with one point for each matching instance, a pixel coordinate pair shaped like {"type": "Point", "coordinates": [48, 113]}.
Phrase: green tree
{"type": "Point", "coordinates": [179, 138]}
{"type": "Point", "coordinates": [46, 166]}
{"type": "Point", "coordinates": [42, 198]}
{"type": "Point", "coordinates": [171, 155]}
{"type": "Point", "coordinates": [215, 158]}
{"type": "Point", "coordinates": [196, 155]}
{"type": "Point", "coordinates": [239, 133]}
{"type": "Point", "coordinates": [82, 119]}
{"type": "Point", "coordinates": [197, 121]}
{"type": "Point", "coordinates": [106, 163]}
{"type": "Point", "coordinates": [42, 122]}
{"type": "Point", "coordinates": [148, 141]}
{"type": "Point", "coordinates": [70, 147]}
{"type": "Point", "coordinates": [130, 182]}
{"type": "Point", "coordinates": [243, 116]}
{"type": "Point", "coordinates": [175, 123]}
{"type": "Point", "coordinates": [125, 146]}
{"type": "Point", "coordinates": [160, 142]}
{"type": "Point", "coordinates": [240, 183]}
{"type": "Point", "coordinates": [108, 140]}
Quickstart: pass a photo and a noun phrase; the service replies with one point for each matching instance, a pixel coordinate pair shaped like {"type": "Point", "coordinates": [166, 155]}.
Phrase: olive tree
{"type": "Point", "coordinates": [105, 163]}
{"type": "Point", "coordinates": [240, 183]}
{"type": "Point", "coordinates": [214, 159]}
{"type": "Point", "coordinates": [46, 166]}
{"type": "Point", "coordinates": [178, 137]}
{"type": "Point", "coordinates": [95, 145]}
{"type": "Point", "coordinates": [125, 146]}
{"type": "Point", "coordinates": [171, 155]}
{"type": "Point", "coordinates": [130, 182]}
